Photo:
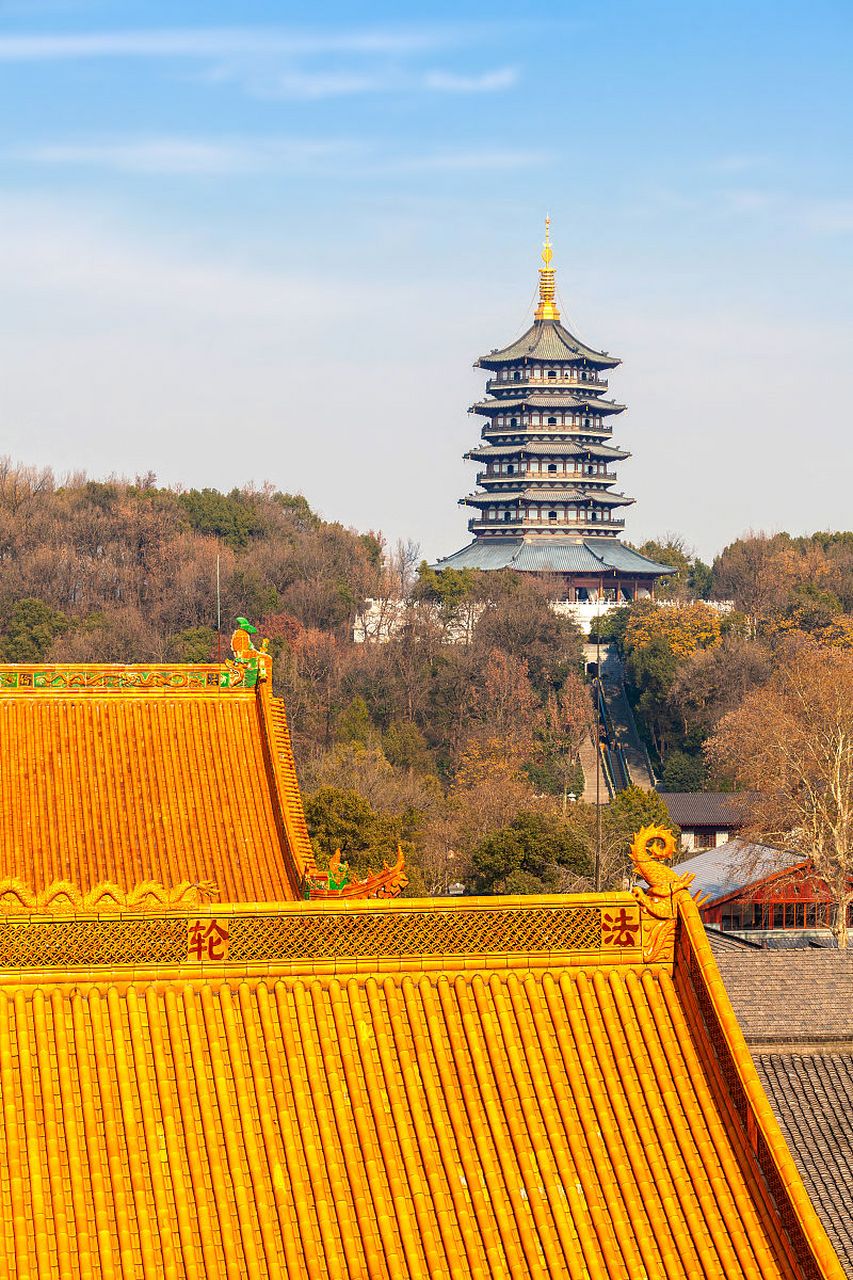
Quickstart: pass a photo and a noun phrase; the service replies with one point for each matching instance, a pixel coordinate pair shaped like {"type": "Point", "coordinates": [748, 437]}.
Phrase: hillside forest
{"type": "Point", "coordinates": [458, 737]}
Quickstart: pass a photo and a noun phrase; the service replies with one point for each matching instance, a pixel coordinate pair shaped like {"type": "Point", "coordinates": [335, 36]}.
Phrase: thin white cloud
{"type": "Point", "coordinates": [495, 159]}
{"type": "Point", "coordinates": [215, 42]}
{"type": "Point", "coordinates": [298, 84]}
{"type": "Point", "coordinates": [252, 57]}
{"type": "Point", "coordinates": [203, 157]}
{"type": "Point", "coordinates": [313, 86]}
{"type": "Point", "coordinates": [739, 162]}
{"type": "Point", "coordinates": [187, 156]}
{"type": "Point", "coordinates": [487, 82]}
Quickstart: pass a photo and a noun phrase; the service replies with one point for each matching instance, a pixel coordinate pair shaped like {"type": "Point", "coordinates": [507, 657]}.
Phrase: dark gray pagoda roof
{"type": "Point", "coordinates": [554, 555]}
{"type": "Point", "coordinates": [570, 493]}
{"type": "Point", "coordinates": [560, 400]}
{"type": "Point", "coordinates": [570, 448]}
{"type": "Point", "coordinates": [547, 340]}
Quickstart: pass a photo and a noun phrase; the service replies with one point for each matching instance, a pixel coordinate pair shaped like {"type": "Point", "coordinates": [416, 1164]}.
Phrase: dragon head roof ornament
{"type": "Point", "coordinates": [651, 848]}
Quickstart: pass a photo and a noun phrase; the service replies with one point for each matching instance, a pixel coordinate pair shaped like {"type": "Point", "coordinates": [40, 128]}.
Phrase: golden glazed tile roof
{"type": "Point", "coordinates": [492, 1088]}
{"type": "Point", "coordinates": [131, 774]}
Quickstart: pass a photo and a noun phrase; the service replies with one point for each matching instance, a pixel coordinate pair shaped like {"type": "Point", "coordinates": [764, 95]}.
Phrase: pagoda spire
{"type": "Point", "coordinates": [547, 309]}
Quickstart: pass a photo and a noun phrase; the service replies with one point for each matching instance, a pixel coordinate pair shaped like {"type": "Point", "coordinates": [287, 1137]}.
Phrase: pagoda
{"type": "Point", "coordinates": [547, 502]}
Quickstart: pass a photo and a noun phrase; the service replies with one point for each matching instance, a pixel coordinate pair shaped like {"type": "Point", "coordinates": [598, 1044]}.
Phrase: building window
{"type": "Point", "coordinates": [552, 373]}
{"type": "Point", "coordinates": [516, 377]}
{"type": "Point", "coordinates": [731, 917]}
{"type": "Point", "coordinates": [552, 516]}
{"type": "Point", "coordinates": [552, 422]}
{"type": "Point", "coordinates": [513, 422]}
{"type": "Point", "coordinates": [552, 466]}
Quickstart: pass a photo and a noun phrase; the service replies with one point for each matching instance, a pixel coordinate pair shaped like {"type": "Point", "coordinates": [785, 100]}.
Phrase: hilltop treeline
{"type": "Point", "coordinates": [460, 736]}
{"type": "Point", "coordinates": [99, 571]}
{"type": "Point", "coordinates": [424, 740]}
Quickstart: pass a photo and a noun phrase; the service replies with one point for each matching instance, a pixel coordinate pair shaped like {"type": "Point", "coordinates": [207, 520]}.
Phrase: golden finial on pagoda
{"type": "Point", "coordinates": [547, 309]}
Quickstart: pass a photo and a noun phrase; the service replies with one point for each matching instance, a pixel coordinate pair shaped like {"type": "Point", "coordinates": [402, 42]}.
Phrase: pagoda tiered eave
{"type": "Point", "coordinates": [539, 495]}
{"type": "Point", "coordinates": [542, 400]}
{"type": "Point", "coordinates": [560, 448]}
{"type": "Point", "coordinates": [550, 342]}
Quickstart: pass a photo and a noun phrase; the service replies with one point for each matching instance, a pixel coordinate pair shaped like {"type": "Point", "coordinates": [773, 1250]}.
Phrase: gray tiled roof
{"type": "Point", "coordinates": [549, 492]}
{"type": "Point", "coordinates": [565, 401]}
{"type": "Point", "coordinates": [560, 448]}
{"type": "Point", "coordinates": [558, 558]}
{"type": "Point", "coordinates": [795, 1009]}
{"type": "Point", "coordinates": [548, 340]}
{"type": "Point", "coordinates": [732, 865]}
{"type": "Point", "coordinates": [552, 555]}
{"type": "Point", "coordinates": [617, 556]}
{"type": "Point", "coordinates": [728, 941]}
{"type": "Point", "coordinates": [812, 1096]}
{"type": "Point", "coordinates": [784, 997]}
{"type": "Point", "coordinates": [705, 808]}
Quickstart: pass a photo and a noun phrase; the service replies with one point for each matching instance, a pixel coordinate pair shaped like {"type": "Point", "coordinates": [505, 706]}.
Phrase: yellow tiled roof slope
{"type": "Point", "coordinates": [160, 773]}
{"type": "Point", "coordinates": [491, 1088]}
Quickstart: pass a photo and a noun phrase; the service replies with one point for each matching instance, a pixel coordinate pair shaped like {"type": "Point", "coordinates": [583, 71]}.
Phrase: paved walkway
{"type": "Point", "coordinates": [621, 718]}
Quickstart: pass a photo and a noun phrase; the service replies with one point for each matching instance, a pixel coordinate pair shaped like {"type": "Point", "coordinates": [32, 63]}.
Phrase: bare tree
{"type": "Point", "coordinates": [20, 486]}
{"type": "Point", "coordinates": [791, 743]}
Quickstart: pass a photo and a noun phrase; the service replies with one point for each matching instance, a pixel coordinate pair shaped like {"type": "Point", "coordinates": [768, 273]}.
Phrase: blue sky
{"type": "Point", "coordinates": [255, 243]}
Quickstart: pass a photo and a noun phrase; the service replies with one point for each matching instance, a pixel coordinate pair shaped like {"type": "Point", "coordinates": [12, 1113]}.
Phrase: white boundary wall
{"type": "Point", "coordinates": [382, 619]}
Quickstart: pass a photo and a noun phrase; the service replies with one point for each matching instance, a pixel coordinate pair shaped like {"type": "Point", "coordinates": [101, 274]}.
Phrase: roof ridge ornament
{"type": "Point", "coordinates": [62, 896]}
{"type": "Point", "coordinates": [547, 309]}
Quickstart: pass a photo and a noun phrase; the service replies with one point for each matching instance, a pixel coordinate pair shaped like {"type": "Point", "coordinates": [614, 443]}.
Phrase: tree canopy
{"type": "Point", "coordinates": [790, 743]}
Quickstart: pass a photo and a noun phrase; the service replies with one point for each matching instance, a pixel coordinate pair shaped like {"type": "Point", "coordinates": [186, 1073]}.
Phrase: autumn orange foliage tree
{"type": "Point", "coordinates": [791, 743]}
{"type": "Point", "coordinates": [685, 627]}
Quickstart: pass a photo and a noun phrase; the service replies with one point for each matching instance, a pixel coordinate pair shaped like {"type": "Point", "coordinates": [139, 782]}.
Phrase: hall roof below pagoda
{"type": "Point", "coordinates": [168, 774]}
{"type": "Point", "coordinates": [593, 556]}
{"type": "Point", "coordinates": [542, 400]}
{"type": "Point", "coordinates": [485, 1087]}
{"type": "Point", "coordinates": [548, 341]}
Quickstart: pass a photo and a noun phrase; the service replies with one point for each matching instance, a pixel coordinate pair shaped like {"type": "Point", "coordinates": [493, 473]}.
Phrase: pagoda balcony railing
{"type": "Point", "coordinates": [542, 380]}
{"type": "Point", "coordinates": [490, 477]}
{"type": "Point", "coordinates": [525, 428]}
{"type": "Point", "coordinates": [484, 522]}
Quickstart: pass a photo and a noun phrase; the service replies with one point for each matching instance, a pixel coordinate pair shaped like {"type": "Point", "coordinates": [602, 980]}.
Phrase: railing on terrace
{"type": "Point", "coordinates": [485, 476]}
{"type": "Point", "coordinates": [590, 380]}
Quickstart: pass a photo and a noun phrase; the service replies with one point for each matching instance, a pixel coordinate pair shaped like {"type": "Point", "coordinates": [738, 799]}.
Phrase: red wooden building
{"type": "Point", "coordinates": [754, 890]}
